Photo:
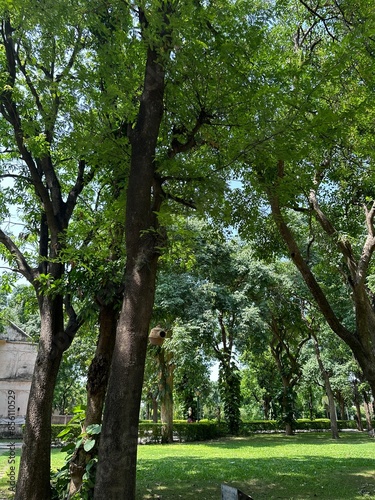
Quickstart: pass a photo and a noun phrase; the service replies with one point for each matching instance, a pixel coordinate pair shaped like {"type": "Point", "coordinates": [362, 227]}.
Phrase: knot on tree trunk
{"type": "Point", "coordinates": [97, 374]}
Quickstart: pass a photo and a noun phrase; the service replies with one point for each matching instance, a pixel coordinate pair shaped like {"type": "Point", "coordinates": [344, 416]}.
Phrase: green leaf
{"type": "Point", "coordinates": [68, 447]}
{"type": "Point", "coordinates": [64, 432]}
{"type": "Point", "coordinates": [94, 429]}
{"type": "Point", "coordinates": [89, 444]}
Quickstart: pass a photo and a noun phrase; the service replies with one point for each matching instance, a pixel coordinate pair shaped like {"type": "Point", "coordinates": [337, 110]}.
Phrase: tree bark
{"type": "Point", "coordinates": [329, 392]}
{"type": "Point", "coordinates": [155, 409]}
{"type": "Point", "coordinates": [97, 381]}
{"type": "Point", "coordinates": [166, 369]}
{"type": "Point", "coordinates": [357, 405]}
{"type": "Point", "coordinates": [34, 473]}
{"type": "Point", "coordinates": [366, 405]}
{"type": "Point", "coordinates": [116, 474]}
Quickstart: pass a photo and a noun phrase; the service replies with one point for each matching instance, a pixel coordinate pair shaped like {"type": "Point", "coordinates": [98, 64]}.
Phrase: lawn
{"type": "Point", "coordinates": [301, 467]}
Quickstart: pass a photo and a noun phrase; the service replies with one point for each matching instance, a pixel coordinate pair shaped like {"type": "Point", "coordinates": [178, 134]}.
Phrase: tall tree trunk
{"type": "Point", "coordinates": [311, 404]}
{"type": "Point", "coordinates": [367, 411]}
{"type": "Point", "coordinates": [97, 381]}
{"type": "Point", "coordinates": [267, 406]}
{"type": "Point", "coordinates": [34, 473]}
{"type": "Point", "coordinates": [166, 369]}
{"type": "Point", "coordinates": [341, 403]}
{"type": "Point", "coordinates": [287, 407]}
{"type": "Point", "coordinates": [155, 409]}
{"type": "Point", "coordinates": [357, 406]}
{"type": "Point", "coordinates": [116, 474]}
{"type": "Point", "coordinates": [328, 389]}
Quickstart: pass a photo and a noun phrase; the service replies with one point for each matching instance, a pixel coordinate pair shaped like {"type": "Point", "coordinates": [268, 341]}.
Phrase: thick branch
{"type": "Point", "coordinates": [181, 147]}
{"type": "Point", "coordinates": [308, 276]}
{"type": "Point", "coordinates": [342, 243]}
{"type": "Point", "coordinates": [76, 190]}
{"type": "Point", "coordinates": [181, 201]}
{"type": "Point", "coordinates": [23, 266]}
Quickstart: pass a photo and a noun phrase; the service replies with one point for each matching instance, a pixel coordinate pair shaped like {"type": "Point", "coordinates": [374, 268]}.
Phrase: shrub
{"type": "Point", "coordinates": [197, 431]}
{"type": "Point", "coordinates": [259, 426]}
{"type": "Point", "coordinates": [75, 431]}
{"type": "Point", "coordinates": [150, 432]}
{"type": "Point", "coordinates": [87, 441]}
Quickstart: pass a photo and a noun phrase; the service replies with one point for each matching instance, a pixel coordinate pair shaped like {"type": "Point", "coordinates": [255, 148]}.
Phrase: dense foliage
{"type": "Point", "coordinates": [203, 167]}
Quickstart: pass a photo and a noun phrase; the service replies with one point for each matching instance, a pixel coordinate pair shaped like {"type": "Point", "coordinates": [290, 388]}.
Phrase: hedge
{"type": "Point", "coordinates": [152, 433]}
{"type": "Point", "coordinates": [204, 430]}
{"type": "Point", "coordinates": [57, 428]}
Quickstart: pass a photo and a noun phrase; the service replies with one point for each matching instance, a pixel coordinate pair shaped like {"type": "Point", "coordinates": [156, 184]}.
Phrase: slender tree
{"type": "Point", "coordinates": [46, 161]}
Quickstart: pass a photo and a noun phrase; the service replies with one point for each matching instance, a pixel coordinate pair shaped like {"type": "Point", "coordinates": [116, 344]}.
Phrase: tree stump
{"type": "Point", "coordinates": [230, 493]}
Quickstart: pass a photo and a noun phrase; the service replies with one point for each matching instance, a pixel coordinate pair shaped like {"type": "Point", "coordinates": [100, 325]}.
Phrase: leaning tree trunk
{"type": "Point", "coordinates": [96, 389]}
{"type": "Point", "coordinates": [362, 340]}
{"type": "Point", "coordinates": [116, 474]}
{"type": "Point", "coordinates": [98, 374]}
{"type": "Point", "coordinates": [34, 473]}
{"type": "Point", "coordinates": [329, 392]}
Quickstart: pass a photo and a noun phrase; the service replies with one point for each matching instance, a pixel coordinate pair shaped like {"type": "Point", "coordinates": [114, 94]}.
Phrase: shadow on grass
{"type": "Point", "coordinates": [299, 478]}
{"type": "Point", "coordinates": [273, 440]}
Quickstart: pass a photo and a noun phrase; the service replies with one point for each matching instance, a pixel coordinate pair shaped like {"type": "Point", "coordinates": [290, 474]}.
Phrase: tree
{"type": "Point", "coordinates": [328, 389]}
{"type": "Point", "coordinates": [311, 164]}
{"type": "Point", "coordinates": [46, 160]}
{"type": "Point", "coordinates": [260, 382]}
{"type": "Point", "coordinates": [158, 172]}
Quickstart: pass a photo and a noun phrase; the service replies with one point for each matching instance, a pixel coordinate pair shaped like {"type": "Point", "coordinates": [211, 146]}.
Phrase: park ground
{"type": "Point", "coordinates": [268, 466]}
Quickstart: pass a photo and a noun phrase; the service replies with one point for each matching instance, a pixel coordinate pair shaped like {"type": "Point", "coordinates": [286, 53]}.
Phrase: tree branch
{"type": "Point", "coordinates": [77, 47]}
{"type": "Point", "coordinates": [181, 147]}
{"type": "Point", "coordinates": [76, 190]}
{"type": "Point", "coordinates": [342, 243]}
{"type": "Point", "coordinates": [307, 274]}
{"type": "Point", "coordinates": [181, 201]}
{"type": "Point", "coordinates": [23, 267]}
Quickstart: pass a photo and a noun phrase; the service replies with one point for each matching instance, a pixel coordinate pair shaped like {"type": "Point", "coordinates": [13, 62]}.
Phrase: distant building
{"type": "Point", "coordinates": [17, 359]}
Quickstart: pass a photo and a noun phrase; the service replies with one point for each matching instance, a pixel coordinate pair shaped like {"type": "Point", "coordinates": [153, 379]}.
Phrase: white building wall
{"type": "Point", "coordinates": [17, 361]}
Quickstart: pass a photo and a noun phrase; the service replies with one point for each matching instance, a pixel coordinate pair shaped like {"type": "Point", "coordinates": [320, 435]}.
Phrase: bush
{"type": "Point", "coordinates": [149, 432]}
{"type": "Point", "coordinates": [57, 428]}
{"type": "Point", "coordinates": [87, 443]}
{"type": "Point", "coordinates": [198, 431]}
{"type": "Point", "coordinates": [302, 424]}
{"type": "Point", "coordinates": [258, 426]}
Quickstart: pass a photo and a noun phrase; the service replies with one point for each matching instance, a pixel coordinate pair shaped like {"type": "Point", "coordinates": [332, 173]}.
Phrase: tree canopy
{"type": "Point", "coordinates": [208, 165]}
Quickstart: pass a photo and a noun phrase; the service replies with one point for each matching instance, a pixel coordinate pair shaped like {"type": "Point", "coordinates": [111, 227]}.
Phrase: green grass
{"type": "Point", "coordinates": [301, 467]}
{"type": "Point", "coordinates": [57, 461]}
